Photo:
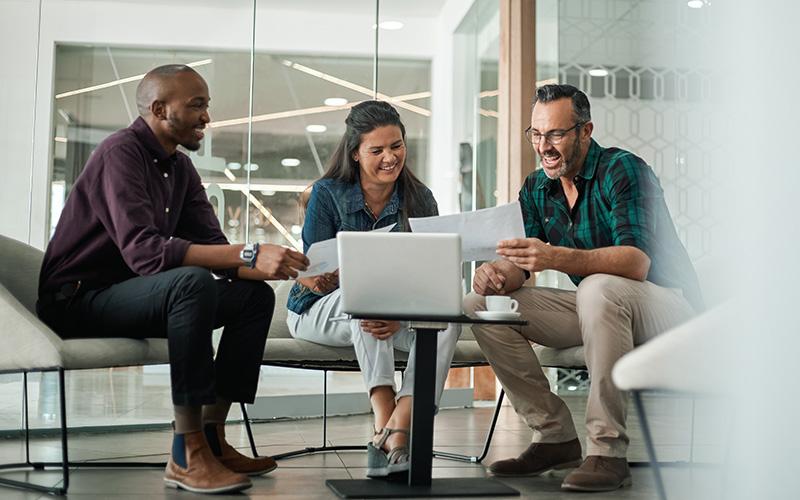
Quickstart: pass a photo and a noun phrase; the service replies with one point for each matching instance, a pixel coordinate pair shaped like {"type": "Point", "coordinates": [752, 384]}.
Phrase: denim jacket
{"type": "Point", "coordinates": [339, 206]}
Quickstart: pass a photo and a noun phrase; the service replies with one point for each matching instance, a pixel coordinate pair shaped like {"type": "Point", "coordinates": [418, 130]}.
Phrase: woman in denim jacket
{"type": "Point", "coordinates": [367, 186]}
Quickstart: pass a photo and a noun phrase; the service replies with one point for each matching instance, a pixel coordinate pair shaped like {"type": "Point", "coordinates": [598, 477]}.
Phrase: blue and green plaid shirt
{"type": "Point", "coordinates": [620, 202]}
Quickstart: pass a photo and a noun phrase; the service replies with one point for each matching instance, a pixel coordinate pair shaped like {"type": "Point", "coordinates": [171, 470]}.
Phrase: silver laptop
{"type": "Point", "coordinates": [400, 273]}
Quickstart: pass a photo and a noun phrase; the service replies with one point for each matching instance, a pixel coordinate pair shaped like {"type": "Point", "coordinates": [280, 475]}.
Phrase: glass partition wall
{"type": "Point", "coordinates": [282, 78]}
{"type": "Point", "coordinates": [255, 165]}
{"type": "Point", "coordinates": [642, 65]}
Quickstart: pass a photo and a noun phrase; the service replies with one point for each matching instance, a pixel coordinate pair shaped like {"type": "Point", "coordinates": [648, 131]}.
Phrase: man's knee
{"type": "Point", "coordinates": [262, 293]}
{"type": "Point", "coordinates": [600, 287]}
{"type": "Point", "coordinates": [192, 280]}
{"type": "Point", "coordinates": [260, 296]}
{"type": "Point", "coordinates": [598, 295]}
{"type": "Point", "coordinates": [474, 302]}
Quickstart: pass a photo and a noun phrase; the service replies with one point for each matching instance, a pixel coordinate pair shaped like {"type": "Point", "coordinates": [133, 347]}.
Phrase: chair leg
{"type": "Point", "coordinates": [648, 441]}
{"type": "Point", "coordinates": [470, 458]}
{"type": "Point", "coordinates": [25, 416]}
{"type": "Point", "coordinates": [248, 429]}
{"type": "Point", "coordinates": [324, 408]}
{"type": "Point", "coordinates": [691, 435]}
{"type": "Point", "coordinates": [63, 464]}
{"type": "Point", "coordinates": [62, 389]}
{"type": "Point", "coordinates": [324, 448]}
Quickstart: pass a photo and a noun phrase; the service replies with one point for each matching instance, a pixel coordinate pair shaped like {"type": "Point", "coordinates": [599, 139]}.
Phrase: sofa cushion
{"type": "Point", "coordinates": [19, 270]}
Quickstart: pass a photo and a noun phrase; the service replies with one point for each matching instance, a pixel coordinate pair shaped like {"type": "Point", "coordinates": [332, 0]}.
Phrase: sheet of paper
{"type": "Point", "coordinates": [323, 256]}
{"type": "Point", "coordinates": [480, 230]}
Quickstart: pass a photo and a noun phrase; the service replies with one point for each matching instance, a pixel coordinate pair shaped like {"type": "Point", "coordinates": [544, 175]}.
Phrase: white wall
{"type": "Point", "coordinates": [179, 24]}
{"type": "Point", "coordinates": [18, 33]}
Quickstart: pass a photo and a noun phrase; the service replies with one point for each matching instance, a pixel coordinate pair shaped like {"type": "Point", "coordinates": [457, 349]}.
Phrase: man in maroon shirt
{"type": "Point", "coordinates": [131, 257]}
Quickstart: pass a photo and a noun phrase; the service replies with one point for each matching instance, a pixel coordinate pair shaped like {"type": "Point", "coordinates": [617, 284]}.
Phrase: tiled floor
{"type": "Point", "coordinates": [459, 430]}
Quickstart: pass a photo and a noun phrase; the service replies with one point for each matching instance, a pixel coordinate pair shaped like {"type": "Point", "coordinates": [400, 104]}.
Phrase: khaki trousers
{"type": "Point", "coordinates": [609, 315]}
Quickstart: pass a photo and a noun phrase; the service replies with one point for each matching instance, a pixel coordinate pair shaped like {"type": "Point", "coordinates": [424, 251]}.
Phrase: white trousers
{"type": "Point", "coordinates": [375, 357]}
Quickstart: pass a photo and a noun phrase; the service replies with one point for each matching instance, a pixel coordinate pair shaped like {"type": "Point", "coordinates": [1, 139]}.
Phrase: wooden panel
{"type": "Point", "coordinates": [485, 385]}
{"type": "Point", "coordinates": [517, 83]}
{"type": "Point", "coordinates": [457, 377]}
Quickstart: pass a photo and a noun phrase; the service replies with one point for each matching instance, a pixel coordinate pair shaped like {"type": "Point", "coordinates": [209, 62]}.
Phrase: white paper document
{"type": "Point", "coordinates": [323, 256]}
{"type": "Point", "coordinates": [480, 230]}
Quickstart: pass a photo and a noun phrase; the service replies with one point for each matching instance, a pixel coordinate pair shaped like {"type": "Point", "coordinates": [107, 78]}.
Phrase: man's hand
{"type": "Point", "coordinates": [322, 284]}
{"type": "Point", "coordinates": [279, 262]}
{"type": "Point", "coordinates": [489, 280]}
{"type": "Point", "coordinates": [531, 254]}
{"type": "Point", "coordinates": [381, 330]}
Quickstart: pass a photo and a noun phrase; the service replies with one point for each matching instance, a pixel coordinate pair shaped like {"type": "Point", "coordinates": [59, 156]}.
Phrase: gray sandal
{"type": "Point", "coordinates": [381, 463]}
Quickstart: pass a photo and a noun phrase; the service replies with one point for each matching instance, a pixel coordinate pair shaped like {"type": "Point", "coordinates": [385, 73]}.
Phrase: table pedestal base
{"type": "Point", "coordinates": [445, 487]}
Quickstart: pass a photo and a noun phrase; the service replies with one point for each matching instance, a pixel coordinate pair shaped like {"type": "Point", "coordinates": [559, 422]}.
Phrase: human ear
{"type": "Point", "coordinates": [587, 129]}
{"type": "Point", "coordinates": [159, 109]}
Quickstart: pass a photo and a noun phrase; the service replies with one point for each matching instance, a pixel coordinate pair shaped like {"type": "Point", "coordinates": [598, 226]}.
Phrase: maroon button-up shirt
{"type": "Point", "coordinates": [133, 211]}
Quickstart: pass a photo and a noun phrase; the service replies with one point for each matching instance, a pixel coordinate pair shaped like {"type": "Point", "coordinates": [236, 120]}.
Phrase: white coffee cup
{"type": "Point", "coordinates": [501, 303]}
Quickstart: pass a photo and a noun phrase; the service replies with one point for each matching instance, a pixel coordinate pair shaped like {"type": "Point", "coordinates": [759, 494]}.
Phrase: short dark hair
{"type": "Point", "coordinates": [148, 88]}
{"type": "Point", "coordinates": [555, 91]}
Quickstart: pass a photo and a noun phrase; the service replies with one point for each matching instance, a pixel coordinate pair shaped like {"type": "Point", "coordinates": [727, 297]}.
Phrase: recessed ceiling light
{"type": "Point", "coordinates": [267, 192]}
{"type": "Point", "coordinates": [296, 229]}
{"type": "Point", "coordinates": [390, 25]}
{"type": "Point", "coordinates": [234, 165]}
{"type": "Point", "coordinates": [695, 4]}
{"type": "Point", "coordinates": [316, 129]}
{"type": "Point", "coordinates": [251, 167]}
{"type": "Point", "coordinates": [335, 101]}
{"type": "Point", "coordinates": [290, 162]}
{"type": "Point", "coordinates": [598, 72]}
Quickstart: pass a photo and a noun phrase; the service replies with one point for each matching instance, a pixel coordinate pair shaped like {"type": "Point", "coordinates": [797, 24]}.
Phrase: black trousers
{"type": "Point", "coordinates": [183, 305]}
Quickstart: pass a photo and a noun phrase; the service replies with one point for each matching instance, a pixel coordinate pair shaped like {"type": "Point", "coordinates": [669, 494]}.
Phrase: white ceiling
{"type": "Point", "coordinates": [406, 8]}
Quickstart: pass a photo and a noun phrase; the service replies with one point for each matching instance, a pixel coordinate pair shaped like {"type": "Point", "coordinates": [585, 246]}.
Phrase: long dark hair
{"type": "Point", "coordinates": [363, 119]}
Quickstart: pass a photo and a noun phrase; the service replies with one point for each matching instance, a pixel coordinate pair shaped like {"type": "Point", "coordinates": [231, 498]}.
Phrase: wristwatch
{"type": "Point", "coordinates": [248, 254]}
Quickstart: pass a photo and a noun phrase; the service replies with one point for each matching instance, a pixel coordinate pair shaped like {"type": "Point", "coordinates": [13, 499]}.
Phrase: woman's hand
{"type": "Point", "coordinates": [381, 330]}
{"type": "Point", "coordinates": [322, 284]}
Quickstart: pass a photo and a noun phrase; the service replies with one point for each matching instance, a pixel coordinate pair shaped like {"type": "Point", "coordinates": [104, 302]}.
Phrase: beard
{"type": "Point", "coordinates": [566, 163]}
{"type": "Point", "coordinates": [185, 138]}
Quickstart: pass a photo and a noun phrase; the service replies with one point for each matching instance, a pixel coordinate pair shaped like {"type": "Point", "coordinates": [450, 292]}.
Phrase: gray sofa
{"type": "Point", "coordinates": [33, 347]}
{"type": "Point", "coordinates": [38, 348]}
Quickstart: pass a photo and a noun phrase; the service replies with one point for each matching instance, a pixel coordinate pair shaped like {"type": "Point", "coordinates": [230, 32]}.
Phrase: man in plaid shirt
{"type": "Point", "coordinates": [597, 214]}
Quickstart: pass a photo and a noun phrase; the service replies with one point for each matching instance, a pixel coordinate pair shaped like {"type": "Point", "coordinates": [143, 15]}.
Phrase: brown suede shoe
{"type": "Point", "coordinates": [598, 473]}
{"type": "Point", "coordinates": [232, 459]}
{"type": "Point", "coordinates": [192, 467]}
{"type": "Point", "coordinates": [540, 458]}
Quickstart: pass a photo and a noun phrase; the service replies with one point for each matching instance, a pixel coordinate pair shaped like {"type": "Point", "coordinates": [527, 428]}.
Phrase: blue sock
{"type": "Point", "coordinates": [179, 450]}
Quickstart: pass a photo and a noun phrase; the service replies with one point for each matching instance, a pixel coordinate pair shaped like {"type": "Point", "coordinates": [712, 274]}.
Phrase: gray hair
{"type": "Point", "coordinates": [554, 91]}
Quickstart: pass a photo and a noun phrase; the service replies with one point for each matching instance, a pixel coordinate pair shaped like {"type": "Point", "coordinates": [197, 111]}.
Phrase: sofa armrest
{"type": "Point", "coordinates": [28, 344]}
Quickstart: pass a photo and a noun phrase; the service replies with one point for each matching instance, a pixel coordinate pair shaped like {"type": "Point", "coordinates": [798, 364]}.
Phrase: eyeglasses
{"type": "Point", "coordinates": [553, 137]}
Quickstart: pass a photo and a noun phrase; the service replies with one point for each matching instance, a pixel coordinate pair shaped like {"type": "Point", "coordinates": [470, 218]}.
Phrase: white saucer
{"type": "Point", "coordinates": [497, 315]}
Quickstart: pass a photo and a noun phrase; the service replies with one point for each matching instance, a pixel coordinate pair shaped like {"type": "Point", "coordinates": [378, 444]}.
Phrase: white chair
{"type": "Point", "coordinates": [689, 359]}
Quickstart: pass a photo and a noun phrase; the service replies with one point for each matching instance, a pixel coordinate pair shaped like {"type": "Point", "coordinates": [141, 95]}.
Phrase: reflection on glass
{"type": "Point", "coordinates": [475, 107]}
{"type": "Point", "coordinates": [95, 90]}
{"type": "Point", "coordinates": [477, 45]}
{"type": "Point", "coordinates": [294, 130]}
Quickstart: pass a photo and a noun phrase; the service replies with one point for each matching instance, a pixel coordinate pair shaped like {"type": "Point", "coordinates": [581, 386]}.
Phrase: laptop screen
{"type": "Point", "coordinates": [409, 274]}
